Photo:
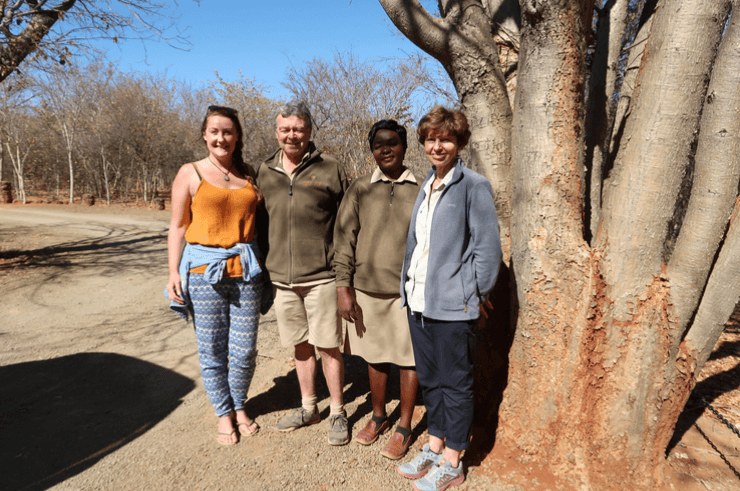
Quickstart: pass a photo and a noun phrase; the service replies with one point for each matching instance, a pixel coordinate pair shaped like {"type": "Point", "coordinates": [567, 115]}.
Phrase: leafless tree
{"type": "Point", "coordinates": [65, 97]}
{"type": "Point", "coordinates": [256, 114]}
{"type": "Point", "coordinates": [348, 95]}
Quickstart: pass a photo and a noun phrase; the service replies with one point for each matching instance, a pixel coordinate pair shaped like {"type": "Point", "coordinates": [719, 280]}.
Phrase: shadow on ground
{"type": "Point", "coordinates": [101, 251]}
{"type": "Point", "coordinates": [707, 391]}
{"type": "Point", "coordinates": [285, 394]}
{"type": "Point", "coordinates": [59, 417]}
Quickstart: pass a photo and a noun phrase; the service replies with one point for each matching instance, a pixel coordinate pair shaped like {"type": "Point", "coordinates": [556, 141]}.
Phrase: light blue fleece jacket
{"type": "Point", "coordinates": [464, 247]}
{"type": "Point", "coordinates": [195, 255]}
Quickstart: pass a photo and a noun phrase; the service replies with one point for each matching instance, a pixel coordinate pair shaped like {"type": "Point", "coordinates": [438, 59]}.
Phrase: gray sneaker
{"type": "Point", "coordinates": [421, 464]}
{"type": "Point", "coordinates": [441, 477]}
{"type": "Point", "coordinates": [338, 430]}
{"type": "Point", "coordinates": [298, 419]}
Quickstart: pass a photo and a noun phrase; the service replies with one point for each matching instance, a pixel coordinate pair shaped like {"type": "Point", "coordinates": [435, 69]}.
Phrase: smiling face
{"type": "Point", "coordinates": [389, 153]}
{"type": "Point", "coordinates": [441, 149]}
{"type": "Point", "coordinates": [293, 135]}
{"type": "Point", "coordinates": [220, 135]}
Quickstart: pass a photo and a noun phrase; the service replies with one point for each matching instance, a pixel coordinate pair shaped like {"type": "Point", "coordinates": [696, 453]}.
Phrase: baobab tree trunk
{"type": "Point", "coordinates": [555, 271]}
{"type": "Point", "coordinates": [610, 333]}
{"type": "Point", "coordinates": [606, 412]}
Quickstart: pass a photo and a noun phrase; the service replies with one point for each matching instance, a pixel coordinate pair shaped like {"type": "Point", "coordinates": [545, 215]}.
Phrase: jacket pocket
{"type": "Point", "coordinates": [445, 287]}
{"type": "Point", "coordinates": [309, 257]}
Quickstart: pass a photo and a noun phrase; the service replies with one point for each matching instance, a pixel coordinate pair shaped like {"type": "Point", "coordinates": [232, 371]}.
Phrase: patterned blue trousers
{"type": "Point", "coordinates": [226, 317]}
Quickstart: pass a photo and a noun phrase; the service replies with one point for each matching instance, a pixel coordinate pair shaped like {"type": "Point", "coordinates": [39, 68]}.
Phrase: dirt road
{"type": "Point", "coordinates": [100, 386]}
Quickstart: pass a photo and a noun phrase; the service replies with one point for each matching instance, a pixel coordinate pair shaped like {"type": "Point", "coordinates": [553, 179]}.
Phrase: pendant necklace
{"type": "Point", "coordinates": [226, 174]}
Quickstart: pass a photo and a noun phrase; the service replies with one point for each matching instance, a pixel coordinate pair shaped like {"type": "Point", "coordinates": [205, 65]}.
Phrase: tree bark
{"type": "Point", "coordinates": [591, 377]}
{"type": "Point", "coordinates": [551, 261]}
{"type": "Point", "coordinates": [18, 163]}
{"type": "Point", "coordinates": [714, 192]}
{"type": "Point", "coordinates": [715, 186]}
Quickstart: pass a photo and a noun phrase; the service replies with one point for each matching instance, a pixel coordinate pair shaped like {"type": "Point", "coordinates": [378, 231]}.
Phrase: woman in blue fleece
{"type": "Point", "coordinates": [453, 253]}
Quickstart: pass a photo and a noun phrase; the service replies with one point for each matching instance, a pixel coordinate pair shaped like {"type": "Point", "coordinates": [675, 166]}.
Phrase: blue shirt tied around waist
{"type": "Point", "coordinates": [195, 255]}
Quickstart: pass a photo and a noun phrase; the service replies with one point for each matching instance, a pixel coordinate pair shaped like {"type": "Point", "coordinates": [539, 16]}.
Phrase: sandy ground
{"type": "Point", "coordinates": [100, 386]}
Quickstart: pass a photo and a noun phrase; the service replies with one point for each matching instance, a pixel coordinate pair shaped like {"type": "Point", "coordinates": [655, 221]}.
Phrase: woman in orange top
{"type": "Point", "coordinates": [217, 276]}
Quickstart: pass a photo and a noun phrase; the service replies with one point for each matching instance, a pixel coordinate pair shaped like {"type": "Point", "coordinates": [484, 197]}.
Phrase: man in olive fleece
{"type": "Point", "coordinates": [302, 189]}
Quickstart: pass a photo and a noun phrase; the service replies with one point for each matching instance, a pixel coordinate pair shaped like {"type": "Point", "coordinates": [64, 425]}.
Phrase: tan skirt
{"type": "Point", "coordinates": [384, 334]}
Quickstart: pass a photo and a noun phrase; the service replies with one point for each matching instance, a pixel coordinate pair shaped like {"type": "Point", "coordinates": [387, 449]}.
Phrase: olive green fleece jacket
{"type": "Point", "coordinates": [370, 234]}
{"type": "Point", "coordinates": [298, 216]}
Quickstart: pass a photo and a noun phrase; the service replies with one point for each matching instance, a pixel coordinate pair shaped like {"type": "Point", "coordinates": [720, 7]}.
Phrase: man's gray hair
{"type": "Point", "coordinates": [296, 108]}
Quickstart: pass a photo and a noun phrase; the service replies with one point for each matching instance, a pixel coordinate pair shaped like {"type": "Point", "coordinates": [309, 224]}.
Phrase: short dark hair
{"type": "Point", "coordinates": [387, 124]}
{"type": "Point", "coordinates": [297, 108]}
{"type": "Point", "coordinates": [441, 119]}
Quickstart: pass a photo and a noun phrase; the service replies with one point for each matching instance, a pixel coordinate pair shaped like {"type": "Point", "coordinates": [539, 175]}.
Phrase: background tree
{"type": "Point", "coordinates": [154, 140]}
{"type": "Point", "coordinates": [256, 113]}
{"type": "Point", "coordinates": [347, 96]}
{"type": "Point", "coordinates": [51, 31]}
{"type": "Point", "coordinates": [14, 97]}
{"type": "Point", "coordinates": [65, 97]}
{"type": "Point", "coordinates": [18, 140]}
{"type": "Point", "coordinates": [612, 324]}
{"type": "Point", "coordinates": [99, 131]}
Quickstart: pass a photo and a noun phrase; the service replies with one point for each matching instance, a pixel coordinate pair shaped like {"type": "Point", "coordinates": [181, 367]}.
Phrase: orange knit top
{"type": "Point", "coordinates": [222, 218]}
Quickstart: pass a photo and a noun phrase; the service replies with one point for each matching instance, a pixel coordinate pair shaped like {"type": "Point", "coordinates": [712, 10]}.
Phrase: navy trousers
{"type": "Point", "coordinates": [444, 364]}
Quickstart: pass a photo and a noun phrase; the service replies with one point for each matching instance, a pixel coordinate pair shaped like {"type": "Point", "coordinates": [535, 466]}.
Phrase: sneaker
{"type": "Point", "coordinates": [338, 432]}
{"type": "Point", "coordinates": [441, 477]}
{"type": "Point", "coordinates": [298, 419]}
{"type": "Point", "coordinates": [420, 464]}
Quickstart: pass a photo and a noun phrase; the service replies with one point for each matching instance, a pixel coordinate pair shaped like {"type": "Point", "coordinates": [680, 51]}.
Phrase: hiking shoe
{"type": "Point", "coordinates": [420, 465]}
{"type": "Point", "coordinates": [338, 429]}
{"type": "Point", "coordinates": [441, 477]}
{"type": "Point", "coordinates": [298, 419]}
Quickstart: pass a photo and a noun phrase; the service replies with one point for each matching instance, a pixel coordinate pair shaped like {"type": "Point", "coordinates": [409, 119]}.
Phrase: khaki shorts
{"type": "Point", "coordinates": [308, 313]}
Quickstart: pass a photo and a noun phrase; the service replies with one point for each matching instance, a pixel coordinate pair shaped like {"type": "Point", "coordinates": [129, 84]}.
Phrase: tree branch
{"type": "Point", "coordinates": [427, 32]}
{"type": "Point", "coordinates": [716, 177]}
{"type": "Point", "coordinates": [602, 82]}
{"type": "Point", "coordinates": [25, 43]}
{"type": "Point", "coordinates": [720, 297]}
{"type": "Point", "coordinates": [643, 187]}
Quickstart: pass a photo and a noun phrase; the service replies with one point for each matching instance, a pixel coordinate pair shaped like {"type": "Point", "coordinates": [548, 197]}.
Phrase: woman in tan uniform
{"type": "Point", "coordinates": [217, 278]}
{"type": "Point", "coordinates": [369, 241]}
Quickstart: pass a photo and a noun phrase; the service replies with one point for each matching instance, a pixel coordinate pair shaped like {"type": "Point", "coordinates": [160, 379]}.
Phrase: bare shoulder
{"type": "Point", "coordinates": [186, 171]}
{"type": "Point", "coordinates": [187, 180]}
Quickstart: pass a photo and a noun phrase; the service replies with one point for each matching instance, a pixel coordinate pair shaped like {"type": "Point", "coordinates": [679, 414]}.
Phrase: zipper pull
{"type": "Point", "coordinates": [392, 184]}
{"type": "Point", "coordinates": [290, 192]}
{"type": "Point", "coordinates": [466, 307]}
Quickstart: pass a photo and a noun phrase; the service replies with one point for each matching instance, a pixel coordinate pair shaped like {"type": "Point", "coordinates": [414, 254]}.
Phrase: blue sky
{"type": "Point", "coordinates": [263, 38]}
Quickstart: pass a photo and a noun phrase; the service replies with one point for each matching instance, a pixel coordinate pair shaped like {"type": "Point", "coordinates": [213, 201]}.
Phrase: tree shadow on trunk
{"type": "Point", "coordinates": [495, 336]}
